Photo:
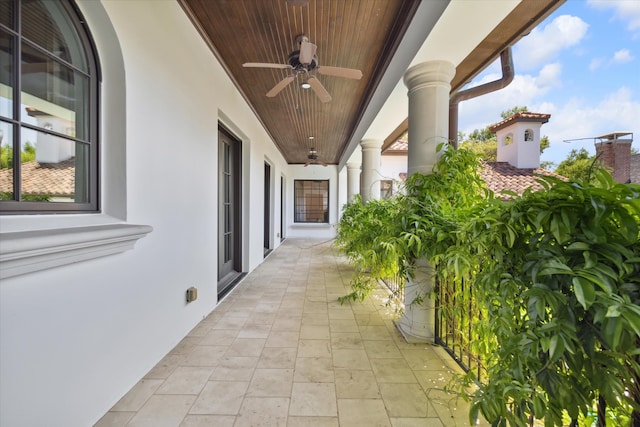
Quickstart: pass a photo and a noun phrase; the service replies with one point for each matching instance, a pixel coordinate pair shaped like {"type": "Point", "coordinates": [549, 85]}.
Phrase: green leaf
{"type": "Point", "coordinates": [585, 292]}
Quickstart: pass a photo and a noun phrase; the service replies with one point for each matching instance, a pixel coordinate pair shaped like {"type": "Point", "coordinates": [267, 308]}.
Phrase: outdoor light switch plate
{"type": "Point", "coordinates": [192, 294]}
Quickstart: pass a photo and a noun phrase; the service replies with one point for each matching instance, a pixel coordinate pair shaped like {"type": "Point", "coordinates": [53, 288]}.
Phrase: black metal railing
{"type": "Point", "coordinates": [455, 313]}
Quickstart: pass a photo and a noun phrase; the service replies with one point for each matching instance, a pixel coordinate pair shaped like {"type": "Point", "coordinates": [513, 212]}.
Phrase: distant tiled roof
{"type": "Point", "coordinates": [53, 179]}
{"type": "Point", "coordinates": [634, 167]}
{"type": "Point", "coordinates": [401, 146]}
{"type": "Point", "coordinates": [523, 116]}
{"type": "Point", "coordinates": [501, 176]}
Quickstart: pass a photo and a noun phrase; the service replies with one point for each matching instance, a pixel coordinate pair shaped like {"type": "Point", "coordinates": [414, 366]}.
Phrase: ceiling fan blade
{"type": "Point", "coordinates": [307, 164]}
{"type": "Point", "coordinates": [265, 65]}
{"type": "Point", "coordinates": [281, 85]}
{"type": "Point", "coordinates": [307, 52]}
{"type": "Point", "coordinates": [320, 91]}
{"type": "Point", "coordinates": [348, 73]}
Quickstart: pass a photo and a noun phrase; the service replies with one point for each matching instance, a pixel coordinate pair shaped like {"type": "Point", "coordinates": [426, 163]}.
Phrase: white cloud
{"type": "Point", "coordinates": [622, 56]}
{"type": "Point", "coordinates": [524, 90]}
{"type": "Point", "coordinates": [627, 11]}
{"type": "Point", "coordinates": [544, 44]}
{"type": "Point", "coordinates": [595, 64]}
{"type": "Point", "coordinates": [579, 119]}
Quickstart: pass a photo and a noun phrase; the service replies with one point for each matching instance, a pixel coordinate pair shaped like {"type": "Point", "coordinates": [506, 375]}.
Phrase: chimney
{"type": "Point", "coordinates": [519, 139]}
{"type": "Point", "coordinates": [613, 151]}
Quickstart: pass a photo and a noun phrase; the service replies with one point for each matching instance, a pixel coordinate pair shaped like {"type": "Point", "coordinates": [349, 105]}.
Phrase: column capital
{"type": "Point", "coordinates": [428, 73]}
{"type": "Point", "coordinates": [369, 144]}
{"type": "Point", "coordinates": [353, 165]}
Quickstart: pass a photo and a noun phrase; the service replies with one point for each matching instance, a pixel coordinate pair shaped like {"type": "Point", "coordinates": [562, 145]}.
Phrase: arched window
{"type": "Point", "coordinates": [508, 139]}
{"type": "Point", "coordinates": [528, 135]}
{"type": "Point", "coordinates": [48, 109]}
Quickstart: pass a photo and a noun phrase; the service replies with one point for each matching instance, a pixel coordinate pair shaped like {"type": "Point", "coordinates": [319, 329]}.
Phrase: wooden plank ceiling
{"type": "Point", "coordinates": [355, 34]}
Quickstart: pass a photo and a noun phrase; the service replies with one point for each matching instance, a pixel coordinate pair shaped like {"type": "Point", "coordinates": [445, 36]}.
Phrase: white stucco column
{"type": "Point", "coordinates": [429, 87]}
{"type": "Point", "coordinates": [429, 84]}
{"type": "Point", "coordinates": [371, 155]}
{"type": "Point", "coordinates": [353, 180]}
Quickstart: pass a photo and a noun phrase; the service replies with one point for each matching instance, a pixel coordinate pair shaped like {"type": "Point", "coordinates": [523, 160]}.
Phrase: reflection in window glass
{"type": "Point", "coordinates": [311, 201]}
{"type": "Point", "coordinates": [6, 13]}
{"type": "Point", "coordinates": [53, 90]}
{"type": "Point", "coordinates": [6, 161]}
{"type": "Point", "coordinates": [49, 152]}
{"type": "Point", "coordinates": [52, 169]}
{"type": "Point", "coordinates": [6, 74]}
{"type": "Point", "coordinates": [47, 24]}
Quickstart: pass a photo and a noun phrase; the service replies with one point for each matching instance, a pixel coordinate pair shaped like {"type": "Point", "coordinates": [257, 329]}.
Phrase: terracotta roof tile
{"type": "Point", "coordinates": [501, 176]}
{"type": "Point", "coordinates": [54, 179]}
{"type": "Point", "coordinates": [523, 116]}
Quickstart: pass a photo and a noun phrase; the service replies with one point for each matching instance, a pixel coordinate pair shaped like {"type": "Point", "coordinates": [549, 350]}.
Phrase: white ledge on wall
{"type": "Point", "coordinates": [28, 251]}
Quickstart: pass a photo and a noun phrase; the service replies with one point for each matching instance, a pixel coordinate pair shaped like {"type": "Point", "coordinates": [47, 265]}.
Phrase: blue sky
{"type": "Point", "coordinates": [582, 66]}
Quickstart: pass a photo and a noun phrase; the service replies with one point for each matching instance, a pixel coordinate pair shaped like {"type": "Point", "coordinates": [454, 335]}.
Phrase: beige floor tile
{"type": "Point", "coordinates": [314, 348]}
{"type": "Point", "coordinates": [313, 399]}
{"type": "Point", "coordinates": [208, 421]}
{"type": "Point", "coordinates": [255, 330]}
{"type": "Point", "coordinates": [162, 411]}
{"type": "Point", "coordinates": [433, 379]}
{"type": "Point", "coordinates": [205, 355]}
{"type": "Point", "coordinates": [405, 400]}
{"type": "Point", "coordinates": [287, 324]}
{"type": "Point", "coordinates": [356, 384]}
{"type": "Point", "coordinates": [343, 325]}
{"type": "Point", "coordinates": [202, 328]}
{"type": "Point", "coordinates": [114, 419]}
{"type": "Point", "coordinates": [368, 319]}
{"type": "Point", "coordinates": [186, 380]}
{"type": "Point", "coordinates": [416, 422]}
{"type": "Point", "coordinates": [230, 322]}
{"type": "Point", "coordinates": [423, 359]}
{"type": "Point", "coordinates": [137, 396]}
{"type": "Point", "coordinates": [271, 383]}
{"type": "Point", "coordinates": [377, 349]}
{"type": "Point", "coordinates": [313, 370]}
{"type": "Point", "coordinates": [220, 337]}
{"type": "Point", "coordinates": [392, 371]}
{"type": "Point", "coordinates": [341, 312]}
{"type": "Point", "coordinates": [344, 340]}
{"type": "Point", "coordinates": [350, 359]}
{"type": "Point", "coordinates": [363, 413]}
{"type": "Point", "coordinates": [312, 422]}
{"type": "Point", "coordinates": [234, 369]}
{"type": "Point", "coordinates": [263, 412]}
{"type": "Point", "coordinates": [375, 333]}
{"type": "Point", "coordinates": [282, 339]}
{"type": "Point", "coordinates": [186, 345]}
{"type": "Point", "coordinates": [315, 319]}
{"type": "Point", "coordinates": [277, 358]}
{"type": "Point", "coordinates": [314, 332]}
{"type": "Point", "coordinates": [165, 367]}
{"type": "Point", "coordinates": [220, 398]}
{"type": "Point", "coordinates": [451, 409]}
{"type": "Point", "coordinates": [246, 347]}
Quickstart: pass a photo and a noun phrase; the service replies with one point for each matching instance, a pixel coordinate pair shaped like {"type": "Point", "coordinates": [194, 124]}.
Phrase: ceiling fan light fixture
{"type": "Point", "coordinates": [305, 85]}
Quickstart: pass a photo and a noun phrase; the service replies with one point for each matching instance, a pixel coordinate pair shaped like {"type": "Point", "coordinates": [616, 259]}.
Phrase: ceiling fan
{"type": "Point", "coordinates": [313, 158]}
{"type": "Point", "coordinates": [301, 62]}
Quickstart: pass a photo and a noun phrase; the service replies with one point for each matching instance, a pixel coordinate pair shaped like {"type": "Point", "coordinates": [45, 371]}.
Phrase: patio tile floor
{"type": "Point", "coordinates": [280, 350]}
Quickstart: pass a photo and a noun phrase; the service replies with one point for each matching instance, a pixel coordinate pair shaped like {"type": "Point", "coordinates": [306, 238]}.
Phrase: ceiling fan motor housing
{"type": "Point", "coordinates": [294, 61]}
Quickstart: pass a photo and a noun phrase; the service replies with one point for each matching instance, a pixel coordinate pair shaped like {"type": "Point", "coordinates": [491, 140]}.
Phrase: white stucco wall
{"type": "Point", "coordinates": [75, 339]}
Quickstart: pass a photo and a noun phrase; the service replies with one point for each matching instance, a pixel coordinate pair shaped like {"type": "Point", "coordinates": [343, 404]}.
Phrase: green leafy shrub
{"type": "Point", "coordinates": [556, 285]}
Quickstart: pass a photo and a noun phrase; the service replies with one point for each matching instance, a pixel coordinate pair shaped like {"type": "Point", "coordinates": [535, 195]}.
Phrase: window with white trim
{"type": "Point", "coordinates": [48, 109]}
